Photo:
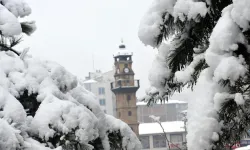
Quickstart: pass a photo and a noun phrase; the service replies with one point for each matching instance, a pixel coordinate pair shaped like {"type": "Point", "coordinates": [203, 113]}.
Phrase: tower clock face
{"type": "Point", "coordinates": [126, 70]}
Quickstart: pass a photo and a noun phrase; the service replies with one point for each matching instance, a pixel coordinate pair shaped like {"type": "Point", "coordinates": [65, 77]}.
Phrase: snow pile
{"type": "Point", "coordinates": [155, 118]}
{"type": "Point", "coordinates": [10, 10]}
{"type": "Point", "coordinates": [9, 24]}
{"type": "Point", "coordinates": [155, 128]}
{"type": "Point", "coordinates": [129, 140]}
{"type": "Point", "coordinates": [223, 65]}
{"type": "Point", "coordinates": [202, 117]}
{"type": "Point", "coordinates": [240, 13]}
{"type": "Point", "coordinates": [160, 11]}
{"type": "Point", "coordinates": [189, 9]}
{"type": "Point", "coordinates": [243, 148]}
{"type": "Point", "coordinates": [63, 108]}
{"type": "Point", "coordinates": [239, 99]}
{"type": "Point", "coordinates": [17, 7]}
{"type": "Point", "coordinates": [150, 24]}
{"type": "Point", "coordinates": [230, 68]}
{"type": "Point", "coordinates": [185, 75]}
{"type": "Point", "coordinates": [160, 70]}
{"type": "Point", "coordinates": [31, 144]}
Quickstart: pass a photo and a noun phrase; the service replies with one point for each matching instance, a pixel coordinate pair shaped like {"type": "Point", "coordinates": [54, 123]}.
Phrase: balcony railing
{"type": "Point", "coordinates": [125, 84]}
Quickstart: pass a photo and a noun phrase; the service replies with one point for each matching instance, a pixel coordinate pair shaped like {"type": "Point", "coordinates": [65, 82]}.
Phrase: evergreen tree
{"type": "Point", "coordinates": [209, 46]}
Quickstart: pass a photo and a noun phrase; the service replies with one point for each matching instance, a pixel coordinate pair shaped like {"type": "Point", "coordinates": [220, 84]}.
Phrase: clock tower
{"type": "Point", "coordinates": [125, 87]}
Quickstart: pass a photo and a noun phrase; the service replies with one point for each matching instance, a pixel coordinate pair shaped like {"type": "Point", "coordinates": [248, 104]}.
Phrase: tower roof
{"type": "Point", "coordinates": [122, 50]}
{"type": "Point", "coordinates": [122, 46]}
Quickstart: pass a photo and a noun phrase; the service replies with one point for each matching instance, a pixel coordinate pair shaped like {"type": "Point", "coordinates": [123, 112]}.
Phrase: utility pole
{"type": "Point", "coordinates": [93, 62]}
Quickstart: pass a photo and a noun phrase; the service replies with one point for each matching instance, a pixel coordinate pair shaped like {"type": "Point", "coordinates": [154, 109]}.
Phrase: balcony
{"type": "Point", "coordinates": [125, 86]}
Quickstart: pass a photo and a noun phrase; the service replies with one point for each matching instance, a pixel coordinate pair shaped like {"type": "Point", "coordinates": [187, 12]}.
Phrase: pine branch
{"type": "Point", "coordinates": [14, 41]}
{"type": "Point", "coordinates": [6, 48]}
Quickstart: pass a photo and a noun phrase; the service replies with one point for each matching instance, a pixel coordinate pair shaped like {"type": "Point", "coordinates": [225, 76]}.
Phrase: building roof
{"type": "Point", "coordinates": [90, 81]}
{"type": "Point", "coordinates": [123, 52]}
{"type": "Point", "coordinates": [168, 102]}
{"type": "Point", "coordinates": [243, 148]}
{"type": "Point", "coordinates": [155, 128]}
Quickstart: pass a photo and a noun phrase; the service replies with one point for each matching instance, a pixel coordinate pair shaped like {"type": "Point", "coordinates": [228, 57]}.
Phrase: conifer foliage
{"type": "Point", "coordinates": [203, 45]}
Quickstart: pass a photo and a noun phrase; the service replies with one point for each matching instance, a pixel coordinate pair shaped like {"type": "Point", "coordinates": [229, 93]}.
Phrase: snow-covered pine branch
{"type": "Point", "coordinates": [43, 105]}
{"type": "Point", "coordinates": [209, 47]}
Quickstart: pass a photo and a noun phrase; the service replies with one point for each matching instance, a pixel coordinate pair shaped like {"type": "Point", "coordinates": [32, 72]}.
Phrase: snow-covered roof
{"type": "Point", "coordinates": [123, 52]}
{"type": "Point", "coordinates": [243, 148]}
{"type": "Point", "coordinates": [169, 102]}
{"type": "Point", "coordinates": [90, 81]}
{"type": "Point", "coordinates": [155, 128]}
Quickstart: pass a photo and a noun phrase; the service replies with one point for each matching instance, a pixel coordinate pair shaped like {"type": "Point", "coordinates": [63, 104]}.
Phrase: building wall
{"type": "Point", "coordinates": [127, 110]}
{"type": "Point", "coordinates": [172, 147]}
{"type": "Point", "coordinates": [166, 112]}
{"type": "Point", "coordinates": [103, 80]}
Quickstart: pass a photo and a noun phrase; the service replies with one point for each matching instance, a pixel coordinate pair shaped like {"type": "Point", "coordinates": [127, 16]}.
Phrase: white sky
{"type": "Point", "coordinates": [71, 32]}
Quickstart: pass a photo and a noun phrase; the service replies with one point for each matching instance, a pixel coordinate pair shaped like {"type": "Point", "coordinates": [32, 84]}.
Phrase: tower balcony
{"type": "Point", "coordinates": [125, 86]}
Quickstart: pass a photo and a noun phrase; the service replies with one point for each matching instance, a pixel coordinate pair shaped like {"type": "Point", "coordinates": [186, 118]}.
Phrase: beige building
{"type": "Point", "coordinates": [169, 111]}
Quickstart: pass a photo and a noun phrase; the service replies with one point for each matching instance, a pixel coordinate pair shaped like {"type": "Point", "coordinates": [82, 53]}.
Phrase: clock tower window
{"type": "Point", "coordinates": [128, 97]}
{"type": "Point", "coordinates": [129, 113]}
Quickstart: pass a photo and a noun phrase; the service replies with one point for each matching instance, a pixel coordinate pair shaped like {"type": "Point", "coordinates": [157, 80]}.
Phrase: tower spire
{"type": "Point", "coordinates": [122, 46]}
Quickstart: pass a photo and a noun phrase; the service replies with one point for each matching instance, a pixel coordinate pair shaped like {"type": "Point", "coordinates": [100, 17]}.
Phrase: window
{"type": "Point", "coordinates": [159, 141]}
{"type": "Point", "coordinates": [128, 97]}
{"type": "Point", "coordinates": [102, 102]}
{"type": "Point", "coordinates": [125, 65]}
{"type": "Point", "coordinates": [145, 142]}
{"type": "Point", "coordinates": [129, 113]}
{"type": "Point", "coordinates": [119, 114]}
{"type": "Point", "coordinates": [176, 138]}
{"type": "Point", "coordinates": [177, 106]}
{"type": "Point", "coordinates": [101, 90]}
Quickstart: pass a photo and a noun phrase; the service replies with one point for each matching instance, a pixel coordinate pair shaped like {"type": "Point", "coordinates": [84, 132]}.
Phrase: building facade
{"type": "Point", "coordinates": [153, 138]}
{"type": "Point", "coordinates": [99, 84]}
{"type": "Point", "coordinates": [169, 111]}
{"type": "Point", "coordinates": [124, 87]}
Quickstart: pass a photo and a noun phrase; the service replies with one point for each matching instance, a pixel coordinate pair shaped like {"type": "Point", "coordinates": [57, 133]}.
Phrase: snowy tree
{"type": "Point", "coordinates": [42, 105]}
{"type": "Point", "coordinates": [10, 26]}
{"type": "Point", "coordinates": [202, 45]}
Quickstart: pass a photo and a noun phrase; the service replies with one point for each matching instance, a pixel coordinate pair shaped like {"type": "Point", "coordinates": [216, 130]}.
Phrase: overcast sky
{"type": "Point", "coordinates": [72, 32]}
